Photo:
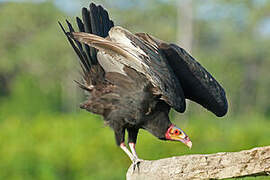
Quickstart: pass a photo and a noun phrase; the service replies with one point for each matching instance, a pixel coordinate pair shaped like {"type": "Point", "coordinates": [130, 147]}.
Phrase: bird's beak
{"type": "Point", "coordinates": [184, 139]}
{"type": "Point", "coordinates": [176, 134]}
{"type": "Point", "coordinates": [187, 142]}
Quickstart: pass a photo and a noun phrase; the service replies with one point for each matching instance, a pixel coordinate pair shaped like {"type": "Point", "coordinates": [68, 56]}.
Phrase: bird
{"type": "Point", "coordinates": [134, 80]}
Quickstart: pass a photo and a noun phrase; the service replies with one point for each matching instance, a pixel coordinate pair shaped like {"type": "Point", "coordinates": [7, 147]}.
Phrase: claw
{"type": "Point", "coordinates": [136, 164]}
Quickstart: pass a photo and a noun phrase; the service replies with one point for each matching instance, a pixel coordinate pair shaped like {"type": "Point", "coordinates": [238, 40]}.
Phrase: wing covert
{"type": "Point", "coordinates": [155, 66]}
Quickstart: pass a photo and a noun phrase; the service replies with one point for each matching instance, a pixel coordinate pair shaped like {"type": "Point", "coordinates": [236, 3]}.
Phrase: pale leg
{"type": "Point", "coordinates": [132, 148]}
{"type": "Point", "coordinates": [125, 149]}
{"type": "Point", "coordinates": [136, 161]}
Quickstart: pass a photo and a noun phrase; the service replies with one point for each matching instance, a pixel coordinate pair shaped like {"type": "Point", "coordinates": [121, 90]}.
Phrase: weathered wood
{"type": "Point", "coordinates": [254, 162]}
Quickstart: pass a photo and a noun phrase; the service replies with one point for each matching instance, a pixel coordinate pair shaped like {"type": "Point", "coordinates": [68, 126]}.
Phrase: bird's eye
{"type": "Point", "coordinates": [176, 132]}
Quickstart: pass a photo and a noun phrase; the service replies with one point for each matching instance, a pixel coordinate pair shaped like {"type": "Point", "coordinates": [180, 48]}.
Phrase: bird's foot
{"type": "Point", "coordinates": [136, 164]}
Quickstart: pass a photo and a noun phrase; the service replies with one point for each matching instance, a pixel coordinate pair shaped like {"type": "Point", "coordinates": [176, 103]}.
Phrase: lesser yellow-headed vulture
{"type": "Point", "coordinates": [133, 80]}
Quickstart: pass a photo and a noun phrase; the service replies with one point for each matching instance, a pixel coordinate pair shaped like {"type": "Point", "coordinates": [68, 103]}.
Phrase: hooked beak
{"type": "Point", "coordinates": [187, 142]}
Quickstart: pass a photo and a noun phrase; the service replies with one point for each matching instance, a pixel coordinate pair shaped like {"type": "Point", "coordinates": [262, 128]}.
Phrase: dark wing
{"type": "Point", "coordinates": [95, 21]}
{"type": "Point", "coordinates": [127, 49]}
{"type": "Point", "coordinates": [198, 84]}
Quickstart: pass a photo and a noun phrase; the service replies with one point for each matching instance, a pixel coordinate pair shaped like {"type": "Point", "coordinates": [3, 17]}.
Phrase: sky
{"type": "Point", "coordinates": [72, 7]}
{"type": "Point", "coordinates": [68, 6]}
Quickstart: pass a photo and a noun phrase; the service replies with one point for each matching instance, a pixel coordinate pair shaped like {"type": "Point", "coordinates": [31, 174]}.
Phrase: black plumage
{"type": "Point", "coordinates": [135, 79]}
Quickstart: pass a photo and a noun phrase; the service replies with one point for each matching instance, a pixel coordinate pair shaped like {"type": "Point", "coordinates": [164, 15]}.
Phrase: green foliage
{"type": "Point", "coordinates": [35, 58]}
{"type": "Point", "coordinates": [27, 97]}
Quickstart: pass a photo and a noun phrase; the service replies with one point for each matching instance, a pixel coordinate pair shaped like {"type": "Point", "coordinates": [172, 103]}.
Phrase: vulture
{"type": "Point", "coordinates": [133, 80]}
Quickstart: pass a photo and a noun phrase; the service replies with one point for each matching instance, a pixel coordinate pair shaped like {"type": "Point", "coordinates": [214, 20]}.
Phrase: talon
{"type": "Point", "coordinates": [136, 163]}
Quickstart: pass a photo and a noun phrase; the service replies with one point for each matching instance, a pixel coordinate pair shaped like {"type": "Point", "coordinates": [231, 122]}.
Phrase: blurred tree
{"type": "Point", "coordinates": [32, 46]}
{"type": "Point", "coordinates": [185, 24]}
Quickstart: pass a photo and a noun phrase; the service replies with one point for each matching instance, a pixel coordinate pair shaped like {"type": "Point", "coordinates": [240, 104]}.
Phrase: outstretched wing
{"type": "Point", "coordinates": [95, 20]}
{"type": "Point", "coordinates": [144, 58]}
{"type": "Point", "coordinates": [198, 84]}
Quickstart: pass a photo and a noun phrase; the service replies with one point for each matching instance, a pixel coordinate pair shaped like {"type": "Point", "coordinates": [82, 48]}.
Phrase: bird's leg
{"type": "Point", "coordinates": [137, 161]}
{"type": "Point", "coordinates": [132, 138]}
{"type": "Point", "coordinates": [120, 141]}
{"type": "Point", "coordinates": [133, 150]}
{"type": "Point", "coordinates": [133, 156]}
{"type": "Point", "coordinates": [125, 149]}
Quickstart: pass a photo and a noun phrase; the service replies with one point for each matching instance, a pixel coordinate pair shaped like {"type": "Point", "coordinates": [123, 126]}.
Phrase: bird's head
{"type": "Point", "coordinates": [176, 134]}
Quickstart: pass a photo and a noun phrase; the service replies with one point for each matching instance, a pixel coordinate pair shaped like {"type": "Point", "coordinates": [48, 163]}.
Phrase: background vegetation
{"type": "Point", "coordinates": [43, 133]}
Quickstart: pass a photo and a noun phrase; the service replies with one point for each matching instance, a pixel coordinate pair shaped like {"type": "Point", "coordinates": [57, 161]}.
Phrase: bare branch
{"type": "Point", "coordinates": [254, 162]}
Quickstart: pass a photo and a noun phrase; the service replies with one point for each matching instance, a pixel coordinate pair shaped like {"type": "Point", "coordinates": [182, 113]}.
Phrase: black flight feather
{"type": "Point", "coordinates": [198, 84]}
{"type": "Point", "coordinates": [84, 66]}
{"type": "Point", "coordinates": [88, 29]}
{"type": "Point", "coordinates": [79, 45]}
{"type": "Point", "coordinates": [87, 48]}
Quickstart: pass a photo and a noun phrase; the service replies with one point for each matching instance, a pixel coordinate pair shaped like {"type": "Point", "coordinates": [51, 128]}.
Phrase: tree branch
{"type": "Point", "coordinates": [254, 162]}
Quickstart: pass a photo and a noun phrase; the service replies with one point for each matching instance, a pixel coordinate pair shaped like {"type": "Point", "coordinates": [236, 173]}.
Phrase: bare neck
{"type": "Point", "coordinates": [158, 123]}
